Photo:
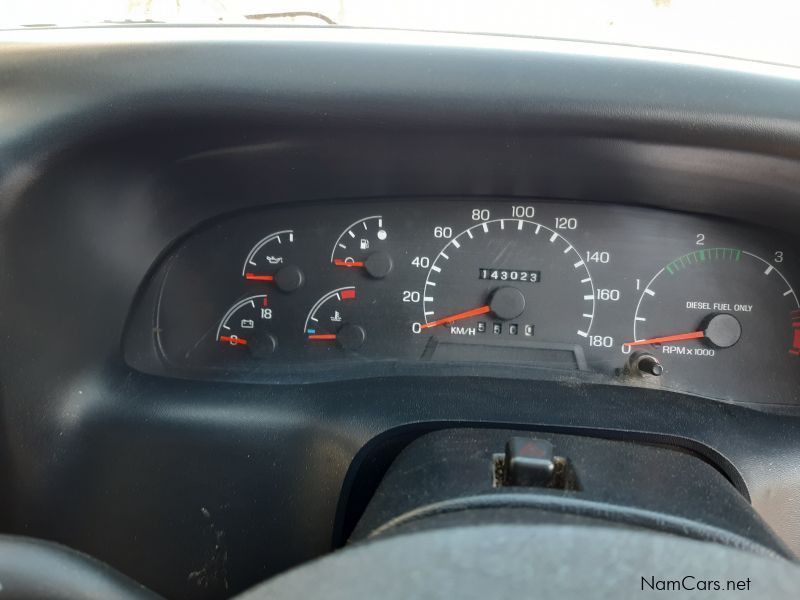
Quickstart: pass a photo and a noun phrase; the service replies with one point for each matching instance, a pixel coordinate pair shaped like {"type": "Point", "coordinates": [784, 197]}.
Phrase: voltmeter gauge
{"type": "Point", "coordinates": [333, 321]}
{"type": "Point", "coordinates": [247, 328]}
{"type": "Point", "coordinates": [270, 261]}
{"type": "Point", "coordinates": [723, 310]}
{"type": "Point", "coordinates": [364, 246]}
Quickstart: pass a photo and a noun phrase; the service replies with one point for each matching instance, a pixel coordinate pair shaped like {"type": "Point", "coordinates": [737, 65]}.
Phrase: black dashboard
{"type": "Point", "coordinates": [242, 268]}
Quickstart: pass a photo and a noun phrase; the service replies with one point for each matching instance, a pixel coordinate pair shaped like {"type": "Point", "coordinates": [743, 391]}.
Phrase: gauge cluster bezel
{"type": "Point", "coordinates": [600, 234]}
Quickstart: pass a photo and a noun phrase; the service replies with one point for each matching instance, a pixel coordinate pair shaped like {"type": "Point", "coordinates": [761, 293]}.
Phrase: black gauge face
{"type": "Point", "coordinates": [273, 260]}
{"type": "Point", "coordinates": [720, 310]}
{"type": "Point", "coordinates": [509, 279]}
{"type": "Point", "coordinates": [364, 246]}
{"type": "Point", "coordinates": [246, 330]}
{"type": "Point", "coordinates": [333, 321]}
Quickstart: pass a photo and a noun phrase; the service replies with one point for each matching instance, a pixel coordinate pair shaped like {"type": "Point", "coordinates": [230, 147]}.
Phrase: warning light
{"type": "Point", "coordinates": [795, 350]}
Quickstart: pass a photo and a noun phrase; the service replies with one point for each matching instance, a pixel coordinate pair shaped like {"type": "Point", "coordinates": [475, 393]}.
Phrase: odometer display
{"type": "Point", "coordinates": [513, 275]}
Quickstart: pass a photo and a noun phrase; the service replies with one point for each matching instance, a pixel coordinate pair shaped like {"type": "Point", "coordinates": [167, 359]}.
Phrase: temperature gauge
{"type": "Point", "coordinates": [247, 327]}
{"type": "Point", "coordinates": [332, 321]}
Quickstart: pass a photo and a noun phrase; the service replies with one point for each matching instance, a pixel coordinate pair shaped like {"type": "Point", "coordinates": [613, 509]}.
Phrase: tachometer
{"type": "Point", "coordinates": [721, 309]}
{"type": "Point", "coordinates": [510, 278]}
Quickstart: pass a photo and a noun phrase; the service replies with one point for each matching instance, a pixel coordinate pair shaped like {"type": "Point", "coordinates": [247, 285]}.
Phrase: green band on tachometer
{"type": "Point", "coordinates": [701, 256]}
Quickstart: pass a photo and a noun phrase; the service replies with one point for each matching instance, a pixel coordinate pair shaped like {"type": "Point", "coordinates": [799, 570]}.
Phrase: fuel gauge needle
{"type": "Point", "coordinates": [693, 335]}
{"type": "Point", "coordinates": [233, 340]}
{"type": "Point", "coordinates": [482, 310]}
{"type": "Point", "coordinates": [347, 263]}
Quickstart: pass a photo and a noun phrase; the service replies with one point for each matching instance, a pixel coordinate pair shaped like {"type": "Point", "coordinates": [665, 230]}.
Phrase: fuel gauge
{"type": "Point", "coordinates": [363, 245]}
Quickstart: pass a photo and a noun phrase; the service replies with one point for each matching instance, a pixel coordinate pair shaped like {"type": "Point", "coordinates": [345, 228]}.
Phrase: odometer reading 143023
{"type": "Point", "coordinates": [501, 303]}
{"type": "Point", "coordinates": [513, 275]}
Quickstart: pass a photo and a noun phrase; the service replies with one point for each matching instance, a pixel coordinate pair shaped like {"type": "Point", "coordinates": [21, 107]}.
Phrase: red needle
{"type": "Point", "coordinates": [347, 263]}
{"type": "Point", "coordinates": [233, 340]}
{"type": "Point", "coordinates": [254, 277]}
{"type": "Point", "coordinates": [694, 335]}
{"type": "Point", "coordinates": [322, 336]}
{"type": "Point", "coordinates": [458, 316]}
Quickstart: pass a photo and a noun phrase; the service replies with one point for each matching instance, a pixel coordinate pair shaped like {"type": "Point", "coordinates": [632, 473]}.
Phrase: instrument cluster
{"type": "Point", "coordinates": [521, 288]}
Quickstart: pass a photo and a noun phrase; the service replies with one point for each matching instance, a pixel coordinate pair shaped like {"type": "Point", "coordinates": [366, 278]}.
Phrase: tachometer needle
{"type": "Point", "coordinates": [482, 310]}
{"type": "Point", "coordinates": [254, 277]}
{"type": "Point", "coordinates": [347, 263]}
{"type": "Point", "coordinates": [694, 335]}
{"type": "Point", "coordinates": [233, 340]}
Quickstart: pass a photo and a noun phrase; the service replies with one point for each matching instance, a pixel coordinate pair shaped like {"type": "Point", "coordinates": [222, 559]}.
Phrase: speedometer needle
{"type": "Point", "coordinates": [694, 335]}
{"type": "Point", "coordinates": [482, 310]}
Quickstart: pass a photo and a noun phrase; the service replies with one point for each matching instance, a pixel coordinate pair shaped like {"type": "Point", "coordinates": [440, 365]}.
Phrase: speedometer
{"type": "Point", "coordinates": [510, 279]}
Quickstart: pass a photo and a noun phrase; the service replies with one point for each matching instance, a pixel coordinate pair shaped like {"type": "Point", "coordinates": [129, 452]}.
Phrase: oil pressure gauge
{"type": "Point", "coordinates": [271, 261]}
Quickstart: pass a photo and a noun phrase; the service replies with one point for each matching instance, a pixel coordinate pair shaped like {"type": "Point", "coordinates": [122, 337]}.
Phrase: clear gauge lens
{"type": "Point", "coordinates": [363, 245]}
{"type": "Point", "coordinates": [333, 321]}
{"type": "Point", "coordinates": [509, 279]}
{"type": "Point", "coordinates": [270, 261]}
{"type": "Point", "coordinates": [246, 328]}
{"type": "Point", "coordinates": [723, 310]}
